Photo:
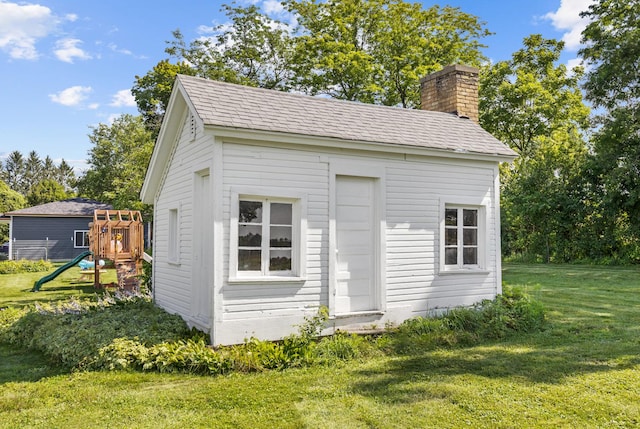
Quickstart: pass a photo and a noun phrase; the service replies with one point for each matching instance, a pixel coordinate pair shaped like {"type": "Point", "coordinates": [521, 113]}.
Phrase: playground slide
{"type": "Point", "coordinates": [38, 284]}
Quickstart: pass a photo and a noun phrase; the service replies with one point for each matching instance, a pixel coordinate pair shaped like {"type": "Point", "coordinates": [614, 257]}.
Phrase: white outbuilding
{"type": "Point", "coordinates": [268, 205]}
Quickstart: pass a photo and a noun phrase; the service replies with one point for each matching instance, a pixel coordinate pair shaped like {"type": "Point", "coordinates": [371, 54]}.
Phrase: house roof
{"type": "Point", "coordinates": [237, 109]}
{"type": "Point", "coordinates": [72, 207]}
{"type": "Point", "coordinates": [236, 106]}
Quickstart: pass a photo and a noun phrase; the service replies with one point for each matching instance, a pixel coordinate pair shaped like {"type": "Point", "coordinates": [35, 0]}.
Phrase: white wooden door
{"type": "Point", "coordinates": [355, 245]}
{"type": "Point", "coordinates": [202, 249]}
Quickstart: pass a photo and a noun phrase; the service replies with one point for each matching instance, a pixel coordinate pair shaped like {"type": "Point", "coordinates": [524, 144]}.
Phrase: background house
{"type": "Point", "coordinates": [268, 205]}
{"type": "Point", "coordinates": [55, 231]}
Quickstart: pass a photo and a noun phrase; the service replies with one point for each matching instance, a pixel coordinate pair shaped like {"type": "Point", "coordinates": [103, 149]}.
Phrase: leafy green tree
{"type": "Point", "coordinates": [152, 91]}
{"type": "Point", "coordinates": [534, 105]}
{"type": "Point", "coordinates": [46, 191]}
{"type": "Point", "coordinates": [529, 97]}
{"type": "Point", "coordinates": [10, 200]}
{"type": "Point", "coordinates": [415, 42]}
{"type": "Point", "coordinates": [253, 50]}
{"type": "Point", "coordinates": [333, 51]}
{"type": "Point", "coordinates": [612, 53]}
{"type": "Point", "coordinates": [118, 162]}
{"type": "Point", "coordinates": [375, 51]}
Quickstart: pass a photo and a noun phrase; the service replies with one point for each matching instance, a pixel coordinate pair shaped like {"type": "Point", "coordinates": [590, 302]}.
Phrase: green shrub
{"type": "Point", "coordinates": [146, 277]}
{"type": "Point", "coordinates": [341, 346]}
{"type": "Point", "coordinates": [511, 312]}
{"type": "Point", "coordinates": [8, 317]}
{"type": "Point", "coordinates": [71, 333]}
{"type": "Point", "coordinates": [523, 313]}
{"type": "Point", "coordinates": [130, 333]}
{"type": "Point", "coordinates": [120, 354]}
{"type": "Point", "coordinates": [293, 351]}
{"type": "Point", "coordinates": [192, 356]}
{"type": "Point", "coordinates": [259, 355]}
{"type": "Point", "coordinates": [24, 266]}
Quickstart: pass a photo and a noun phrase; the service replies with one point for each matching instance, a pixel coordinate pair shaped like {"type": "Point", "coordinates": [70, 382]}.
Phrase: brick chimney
{"type": "Point", "coordinates": [454, 89]}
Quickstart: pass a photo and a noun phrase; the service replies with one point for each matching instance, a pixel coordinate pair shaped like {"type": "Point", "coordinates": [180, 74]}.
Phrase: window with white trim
{"type": "Point", "coordinates": [267, 237]}
{"type": "Point", "coordinates": [173, 241]}
{"type": "Point", "coordinates": [463, 237]}
{"type": "Point", "coordinates": [80, 239]}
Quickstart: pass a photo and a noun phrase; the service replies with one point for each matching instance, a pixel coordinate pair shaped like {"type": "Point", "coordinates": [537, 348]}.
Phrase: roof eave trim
{"type": "Point", "coordinates": [178, 101]}
{"type": "Point", "coordinates": [302, 139]}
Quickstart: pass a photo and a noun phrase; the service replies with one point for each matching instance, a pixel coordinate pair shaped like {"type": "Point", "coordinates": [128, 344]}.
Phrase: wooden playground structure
{"type": "Point", "coordinates": [118, 235]}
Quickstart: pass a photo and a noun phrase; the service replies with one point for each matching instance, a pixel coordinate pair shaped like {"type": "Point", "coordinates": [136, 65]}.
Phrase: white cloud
{"type": "Point", "coordinates": [115, 48]}
{"type": "Point", "coordinates": [275, 10]}
{"type": "Point", "coordinates": [273, 7]}
{"type": "Point", "coordinates": [72, 96]}
{"type": "Point", "coordinates": [22, 25]}
{"type": "Point", "coordinates": [112, 118]}
{"type": "Point", "coordinates": [567, 18]}
{"type": "Point", "coordinates": [123, 98]}
{"type": "Point", "coordinates": [208, 29]}
{"type": "Point", "coordinates": [67, 49]}
{"type": "Point", "coordinates": [573, 63]}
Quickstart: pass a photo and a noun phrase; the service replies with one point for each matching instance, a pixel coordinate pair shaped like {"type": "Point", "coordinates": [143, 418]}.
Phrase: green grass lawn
{"type": "Point", "coordinates": [15, 290]}
{"type": "Point", "coordinates": [583, 371]}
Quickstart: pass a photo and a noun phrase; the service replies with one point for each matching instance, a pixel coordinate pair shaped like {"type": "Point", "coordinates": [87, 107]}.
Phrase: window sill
{"type": "Point", "coordinates": [174, 263]}
{"type": "Point", "coordinates": [266, 280]}
{"type": "Point", "coordinates": [464, 271]}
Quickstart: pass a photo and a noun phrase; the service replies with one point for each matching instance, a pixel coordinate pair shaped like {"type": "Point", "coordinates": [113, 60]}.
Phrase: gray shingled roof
{"type": "Point", "coordinates": [70, 207]}
{"type": "Point", "coordinates": [243, 107]}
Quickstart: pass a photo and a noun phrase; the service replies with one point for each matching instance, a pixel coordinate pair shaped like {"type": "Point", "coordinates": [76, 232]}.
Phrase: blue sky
{"type": "Point", "coordinates": [66, 66]}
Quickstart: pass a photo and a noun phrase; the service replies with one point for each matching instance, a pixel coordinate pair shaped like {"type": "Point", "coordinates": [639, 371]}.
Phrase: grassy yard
{"type": "Point", "coordinates": [15, 290]}
{"type": "Point", "coordinates": [583, 371]}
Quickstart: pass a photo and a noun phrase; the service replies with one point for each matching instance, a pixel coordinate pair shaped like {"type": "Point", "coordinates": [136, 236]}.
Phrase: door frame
{"type": "Point", "coordinates": [202, 237]}
{"type": "Point", "coordinates": [370, 170]}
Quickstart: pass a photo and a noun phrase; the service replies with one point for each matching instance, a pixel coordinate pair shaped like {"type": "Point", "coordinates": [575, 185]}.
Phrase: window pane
{"type": "Point", "coordinates": [451, 256]}
{"type": "Point", "coordinates": [451, 237]}
{"type": "Point", "coordinates": [281, 214]}
{"type": "Point", "coordinates": [250, 212]}
{"type": "Point", "coordinates": [250, 235]}
{"type": "Point", "coordinates": [470, 256]}
{"type": "Point", "coordinates": [249, 260]}
{"type": "Point", "coordinates": [470, 237]}
{"type": "Point", "coordinates": [85, 241]}
{"type": "Point", "coordinates": [470, 217]}
{"type": "Point", "coordinates": [280, 236]}
{"type": "Point", "coordinates": [451, 217]}
{"type": "Point", "coordinates": [280, 260]}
